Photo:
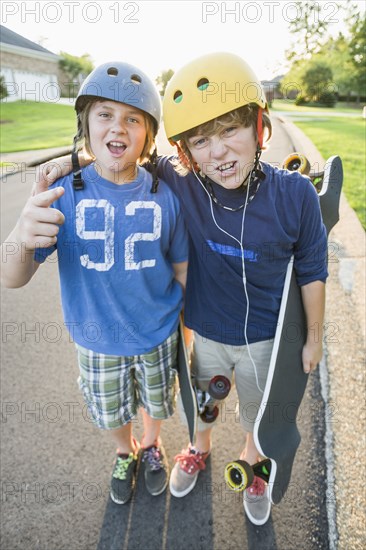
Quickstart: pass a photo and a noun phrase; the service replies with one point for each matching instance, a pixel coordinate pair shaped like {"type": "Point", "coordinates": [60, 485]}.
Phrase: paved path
{"type": "Point", "coordinates": [55, 466]}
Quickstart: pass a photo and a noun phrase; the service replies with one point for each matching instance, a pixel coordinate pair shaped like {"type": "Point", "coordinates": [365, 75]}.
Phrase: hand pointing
{"type": "Point", "coordinates": [49, 172]}
{"type": "Point", "coordinates": [39, 224]}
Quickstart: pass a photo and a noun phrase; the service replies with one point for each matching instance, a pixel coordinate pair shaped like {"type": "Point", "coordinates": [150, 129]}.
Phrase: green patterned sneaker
{"type": "Point", "coordinates": [123, 477]}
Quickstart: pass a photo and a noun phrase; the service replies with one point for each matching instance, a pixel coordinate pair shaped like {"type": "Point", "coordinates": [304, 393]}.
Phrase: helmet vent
{"type": "Point", "coordinates": [136, 79]}
{"type": "Point", "coordinates": [178, 96]}
{"type": "Point", "coordinates": [112, 71]}
{"type": "Point", "coordinates": [202, 84]}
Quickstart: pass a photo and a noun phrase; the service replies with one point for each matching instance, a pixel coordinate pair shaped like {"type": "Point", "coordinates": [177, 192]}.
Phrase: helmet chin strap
{"type": "Point", "coordinates": [255, 176]}
{"type": "Point", "coordinates": [154, 171]}
{"type": "Point", "coordinates": [77, 182]}
{"type": "Point", "coordinates": [260, 127]}
{"type": "Point", "coordinates": [257, 172]}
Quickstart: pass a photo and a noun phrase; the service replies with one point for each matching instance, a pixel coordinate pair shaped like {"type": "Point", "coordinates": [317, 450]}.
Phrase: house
{"type": "Point", "coordinates": [271, 88]}
{"type": "Point", "coordinates": [30, 71]}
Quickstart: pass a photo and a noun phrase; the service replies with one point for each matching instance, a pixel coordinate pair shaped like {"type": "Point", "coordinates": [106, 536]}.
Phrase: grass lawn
{"type": "Point", "coordinates": [332, 135]}
{"type": "Point", "coordinates": [27, 125]}
{"type": "Point", "coordinates": [287, 105]}
{"type": "Point", "coordinates": [346, 138]}
{"type": "Point", "coordinates": [30, 125]}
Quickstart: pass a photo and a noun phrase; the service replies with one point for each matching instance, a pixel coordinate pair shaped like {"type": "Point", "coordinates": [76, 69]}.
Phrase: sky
{"type": "Point", "coordinates": [162, 35]}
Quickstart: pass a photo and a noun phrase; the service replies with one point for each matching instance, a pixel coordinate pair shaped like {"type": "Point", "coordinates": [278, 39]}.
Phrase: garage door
{"type": "Point", "coordinates": [30, 86]}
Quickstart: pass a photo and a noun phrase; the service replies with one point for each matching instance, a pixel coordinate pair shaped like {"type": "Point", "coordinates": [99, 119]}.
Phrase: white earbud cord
{"type": "Point", "coordinates": [240, 243]}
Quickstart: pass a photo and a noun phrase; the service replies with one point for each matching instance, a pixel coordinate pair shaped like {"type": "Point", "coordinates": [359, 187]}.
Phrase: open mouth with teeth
{"type": "Point", "coordinates": [116, 147]}
{"type": "Point", "coordinates": [227, 167]}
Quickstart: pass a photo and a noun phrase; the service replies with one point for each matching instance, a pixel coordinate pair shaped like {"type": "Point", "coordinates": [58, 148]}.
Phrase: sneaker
{"type": "Point", "coordinates": [123, 477]}
{"type": "Point", "coordinates": [185, 472]}
{"type": "Point", "coordinates": [257, 505]}
{"type": "Point", "coordinates": [156, 469]}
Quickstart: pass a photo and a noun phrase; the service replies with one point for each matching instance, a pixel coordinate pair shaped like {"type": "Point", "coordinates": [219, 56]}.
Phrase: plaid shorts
{"type": "Point", "coordinates": [114, 387]}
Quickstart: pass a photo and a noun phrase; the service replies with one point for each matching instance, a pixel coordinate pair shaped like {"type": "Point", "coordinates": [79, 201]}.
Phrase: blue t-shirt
{"type": "Point", "coordinates": [115, 255]}
{"type": "Point", "coordinates": [282, 220]}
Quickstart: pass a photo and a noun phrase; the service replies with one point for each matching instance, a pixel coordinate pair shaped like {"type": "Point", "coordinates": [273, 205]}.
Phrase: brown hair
{"type": "Point", "coordinates": [83, 137]}
{"type": "Point", "coordinates": [243, 116]}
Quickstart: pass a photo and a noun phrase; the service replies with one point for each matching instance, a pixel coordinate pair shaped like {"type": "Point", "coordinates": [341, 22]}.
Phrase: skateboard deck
{"type": "Point", "coordinates": [187, 393]}
{"type": "Point", "coordinates": [276, 434]}
{"type": "Point", "coordinates": [275, 431]}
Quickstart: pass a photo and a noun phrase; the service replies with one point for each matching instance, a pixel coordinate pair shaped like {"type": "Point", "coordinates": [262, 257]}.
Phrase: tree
{"type": "Point", "coordinates": [3, 88]}
{"type": "Point", "coordinates": [336, 54]}
{"type": "Point", "coordinates": [309, 29]}
{"type": "Point", "coordinates": [163, 79]}
{"type": "Point", "coordinates": [357, 49]}
{"type": "Point", "coordinates": [310, 80]}
{"type": "Point", "coordinates": [318, 82]}
{"type": "Point", "coordinates": [351, 12]}
{"type": "Point", "coordinates": [344, 54]}
{"type": "Point", "coordinates": [292, 83]}
{"type": "Point", "coordinates": [75, 68]}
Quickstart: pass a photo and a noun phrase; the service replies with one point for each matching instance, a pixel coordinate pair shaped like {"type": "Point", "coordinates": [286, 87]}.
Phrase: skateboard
{"type": "Point", "coordinates": [187, 393]}
{"type": "Point", "coordinates": [296, 162]}
{"type": "Point", "coordinates": [197, 402]}
{"type": "Point", "coordinates": [218, 388]}
{"type": "Point", "coordinates": [276, 435]}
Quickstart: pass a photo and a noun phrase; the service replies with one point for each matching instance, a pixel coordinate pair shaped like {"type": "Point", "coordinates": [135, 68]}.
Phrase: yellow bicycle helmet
{"type": "Point", "coordinates": [206, 88]}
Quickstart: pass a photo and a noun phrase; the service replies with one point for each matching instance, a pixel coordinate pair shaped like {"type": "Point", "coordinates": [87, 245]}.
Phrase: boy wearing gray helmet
{"type": "Point", "coordinates": [122, 251]}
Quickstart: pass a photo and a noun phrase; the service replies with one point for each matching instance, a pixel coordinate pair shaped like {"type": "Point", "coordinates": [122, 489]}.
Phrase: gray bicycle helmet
{"type": "Point", "coordinates": [124, 83]}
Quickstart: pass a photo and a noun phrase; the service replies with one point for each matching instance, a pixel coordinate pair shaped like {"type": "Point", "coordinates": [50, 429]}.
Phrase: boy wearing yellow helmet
{"type": "Point", "coordinates": [245, 219]}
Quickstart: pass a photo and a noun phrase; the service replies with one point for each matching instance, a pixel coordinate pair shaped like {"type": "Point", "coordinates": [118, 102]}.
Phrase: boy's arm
{"type": "Point", "coordinates": [37, 227]}
{"type": "Point", "coordinates": [180, 273]}
{"type": "Point", "coordinates": [313, 297]}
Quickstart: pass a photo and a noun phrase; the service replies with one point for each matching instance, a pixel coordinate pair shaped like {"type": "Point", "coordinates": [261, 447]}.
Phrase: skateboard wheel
{"type": "Point", "coordinates": [219, 387]}
{"type": "Point", "coordinates": [317, 180]}
{"type": "Point", "coordinates": [262, 469]}
{"type": "Point", "coordinates": [297, 163]}
{"type": "Point", "coordinates": [238, 475]}
{"type": "Point", "coordinates": [209, 414]}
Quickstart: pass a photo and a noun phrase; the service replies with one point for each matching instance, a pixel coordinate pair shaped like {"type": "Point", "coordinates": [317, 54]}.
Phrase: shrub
{"type": "Point", "coordinates": [327, 98]}
{"type": "Point", "coordinates": [300, 99]}
{"type": "Point", "coordinates": [3, 89]}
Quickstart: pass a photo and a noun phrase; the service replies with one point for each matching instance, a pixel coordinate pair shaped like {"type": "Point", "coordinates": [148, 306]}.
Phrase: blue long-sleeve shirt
{"type": "Point", "coordinates": [282, 220]}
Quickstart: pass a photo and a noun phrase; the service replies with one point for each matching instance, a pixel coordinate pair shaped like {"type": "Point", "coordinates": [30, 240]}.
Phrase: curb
{"type": "Point", "coordinates": [20, 161]}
